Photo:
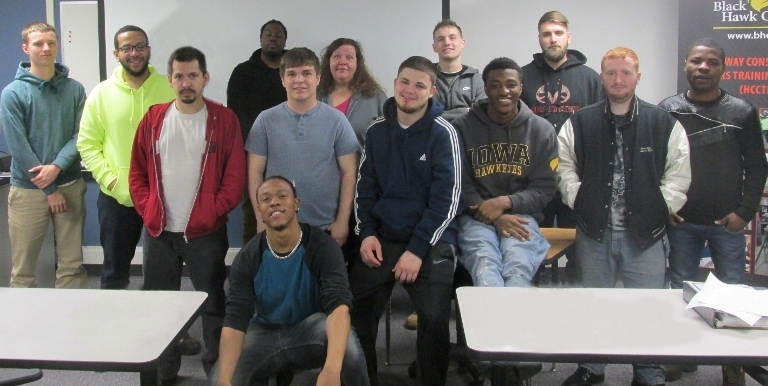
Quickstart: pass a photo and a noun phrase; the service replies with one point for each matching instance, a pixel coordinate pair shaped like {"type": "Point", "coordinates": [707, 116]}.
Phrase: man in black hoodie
{"type": "Point", "coordinates": [253, 87]}
{"type": "Point", "coordinates": [408, 193]}
{"type": "Point", "coordinates": [557, 84]}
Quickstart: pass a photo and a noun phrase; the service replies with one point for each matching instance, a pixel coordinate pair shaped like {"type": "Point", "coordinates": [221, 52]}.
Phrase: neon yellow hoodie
{"type": "Point", "coordinates": [111, 115]}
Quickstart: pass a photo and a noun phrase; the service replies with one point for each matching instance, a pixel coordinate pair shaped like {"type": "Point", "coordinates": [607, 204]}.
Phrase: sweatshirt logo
{"type": "Point", "coordinates": [466, 88]}
{"type": "Point", "coordinates": [423, 157]}
{"type": "Point", "coordinates": [646, 149]}
{"type": "Point", "coordinates": [557, 97]}
{"type": "Point", "coordinates": [501, 158]}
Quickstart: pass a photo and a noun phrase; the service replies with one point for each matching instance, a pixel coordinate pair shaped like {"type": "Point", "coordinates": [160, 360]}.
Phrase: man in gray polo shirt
{"type": "Point", "coordinates": [310, 143]}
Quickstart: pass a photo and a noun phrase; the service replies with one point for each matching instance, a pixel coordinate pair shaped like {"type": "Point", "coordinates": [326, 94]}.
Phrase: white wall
{"type": "Point", "coordinates": [496, 28]}
{"type": "Point", "coordinates": [227, 31]}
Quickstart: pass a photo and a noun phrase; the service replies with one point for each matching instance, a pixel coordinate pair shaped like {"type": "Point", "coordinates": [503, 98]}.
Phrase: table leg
{"type": "Point", "coordinates": [498, 375]}
{"type": "Point", "coordinates": [555, 267]}
{"type": "Point", "coordinates": [148, 378]}
{"type": "Point", "coordinates": [758, 373]}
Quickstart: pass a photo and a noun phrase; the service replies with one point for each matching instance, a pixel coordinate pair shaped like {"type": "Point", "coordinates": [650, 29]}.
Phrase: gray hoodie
{"type": "Point", "coordinates": [517, 159]}
{"type": "Point", "coordinates": [458, 95]}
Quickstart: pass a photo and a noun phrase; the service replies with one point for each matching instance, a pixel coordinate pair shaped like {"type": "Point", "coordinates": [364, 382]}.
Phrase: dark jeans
{"type": "Point", "coordinates": [204, 257]}
{"type": "Point", "coordinates": [431, 296]}
{"type": "Point", "coordinates": [268, 351]}
{"type": "Point", "coordinates": [686, 243]}
{"type": "Point", "coordinates": [565, 217]}
{"type": "Point", "coordinates": [120, 230]}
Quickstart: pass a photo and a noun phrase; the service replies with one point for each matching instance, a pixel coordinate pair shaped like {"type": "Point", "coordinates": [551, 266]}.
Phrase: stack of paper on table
{"type": "Point", "coordinates": [727, 305]}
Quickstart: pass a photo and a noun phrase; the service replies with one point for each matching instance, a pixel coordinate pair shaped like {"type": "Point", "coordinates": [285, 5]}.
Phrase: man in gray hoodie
{"type": "Point", "coordinates": [509, 177]}
{"type": "Point", "coordinates": [458, 85]}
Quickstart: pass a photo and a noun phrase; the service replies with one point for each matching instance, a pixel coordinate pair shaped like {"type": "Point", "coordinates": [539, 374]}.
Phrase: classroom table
{"type": "Point", "coordinates": [599, 325]}
{"type": "Point", "coordinates": [93, 330]}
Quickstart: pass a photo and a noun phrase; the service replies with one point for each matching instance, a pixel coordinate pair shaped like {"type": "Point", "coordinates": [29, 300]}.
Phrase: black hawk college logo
{"type": "Point", "coordinates": [558, 97]}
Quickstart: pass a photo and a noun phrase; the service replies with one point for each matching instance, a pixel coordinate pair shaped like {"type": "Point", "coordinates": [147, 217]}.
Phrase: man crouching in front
{"type": "Point", "coordinates": [288, 302]}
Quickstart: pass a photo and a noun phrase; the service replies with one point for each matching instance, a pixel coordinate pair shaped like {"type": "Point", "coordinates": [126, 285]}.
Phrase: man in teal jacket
{"type": "Point", "coordinates": [40, 114]}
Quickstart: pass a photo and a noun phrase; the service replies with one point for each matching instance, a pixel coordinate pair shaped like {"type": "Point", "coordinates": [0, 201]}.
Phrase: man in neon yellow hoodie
{"type": "Point", "coordinates": [111, 115]}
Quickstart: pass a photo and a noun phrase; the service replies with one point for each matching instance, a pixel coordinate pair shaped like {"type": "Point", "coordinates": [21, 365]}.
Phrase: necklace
{"type": "Point", "coordinates": [301, 234]}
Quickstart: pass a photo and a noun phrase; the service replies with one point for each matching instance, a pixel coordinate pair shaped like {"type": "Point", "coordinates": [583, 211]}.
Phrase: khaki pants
{"type": "Point", "coordinates": [28, 217]}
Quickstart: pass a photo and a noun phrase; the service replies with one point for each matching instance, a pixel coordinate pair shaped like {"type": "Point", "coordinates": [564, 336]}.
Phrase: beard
{"type": "Point", "coordinates": [140, 72]}
{"type": "Point", "coordinates": [410, 110]}
{"type": "Point", "coordinates": [555, 55]}
{"type": "Point", "coordinates": [273, 55]}
{"type": "Point", "coordinates": [188, 98]}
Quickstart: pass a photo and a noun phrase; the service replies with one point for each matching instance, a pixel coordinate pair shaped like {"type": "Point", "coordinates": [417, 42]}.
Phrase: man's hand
{"type": "Point", "coordinates": [339, 231]}
{"type": "Point", "coordinates": [732, 223]}
{"type": "Point", "coordinates": [370, 252]}
{"type": "Point", "coordinates": [675, 219]}
{"type": "Point", "coordinates": [407, 268]}
{"type": "Point", "coordinates": [489, 210]}
{"type": "Point", "coordinates": [46, 174]}
{"type": "Point", "coordinates": [111, 185]}
{"type": "Point", "coordinates": [57, 203]}
{"type": "Point", "coordinates": [329, 377]}
{"type": "Point", "coordinates": [510, 225]}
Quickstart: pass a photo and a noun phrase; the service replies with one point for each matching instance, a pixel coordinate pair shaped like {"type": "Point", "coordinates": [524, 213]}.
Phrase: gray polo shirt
{"type": "Point", "coordinates": [304, 148]}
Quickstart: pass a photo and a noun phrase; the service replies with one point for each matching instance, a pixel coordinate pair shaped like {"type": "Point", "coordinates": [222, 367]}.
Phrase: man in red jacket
{"type": "Point", "coordinates": [187, 173]}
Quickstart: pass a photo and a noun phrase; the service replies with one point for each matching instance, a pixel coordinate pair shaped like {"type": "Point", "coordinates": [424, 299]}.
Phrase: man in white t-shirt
{"type": "Point", "coordinates": [187, 173]}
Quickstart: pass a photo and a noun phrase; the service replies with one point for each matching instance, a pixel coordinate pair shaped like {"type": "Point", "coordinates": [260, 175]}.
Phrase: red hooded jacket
{"type": "Point", "coordinates": [222, 171]}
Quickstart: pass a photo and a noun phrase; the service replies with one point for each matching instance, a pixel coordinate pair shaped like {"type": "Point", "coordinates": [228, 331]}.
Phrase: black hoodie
{"type": "Point", "coordinates": [254, 87]}
{"type": "Point", "coordinates": [556, 94]}
{"type": "Point", "coordinates": [409, 186]}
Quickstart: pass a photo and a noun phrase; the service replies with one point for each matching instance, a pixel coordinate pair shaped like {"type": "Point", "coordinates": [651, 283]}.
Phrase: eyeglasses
{"type": "Point", "coordinates": [127, 49]}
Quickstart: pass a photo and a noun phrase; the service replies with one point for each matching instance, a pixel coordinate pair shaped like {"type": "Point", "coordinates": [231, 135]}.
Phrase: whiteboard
{"type": "Point", "coordinates": [494, 28]}
{"type": "Point", "coordinates": [227, 31]}
{"type": "Point", "coordinates": [79, 37]}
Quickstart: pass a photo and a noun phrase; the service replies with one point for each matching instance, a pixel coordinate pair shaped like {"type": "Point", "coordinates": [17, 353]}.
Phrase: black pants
{"type": "Point", "coordinates": [204, 257]}
{"type": "Point", "coordinates": [119, 232]}
{"type": "Point", "coordinates": [431, 296]}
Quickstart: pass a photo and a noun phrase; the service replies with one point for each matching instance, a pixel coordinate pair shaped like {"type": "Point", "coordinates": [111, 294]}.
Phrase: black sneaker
{"type": "Point", "coordinates": [637, 383]}
{"type": "Point", "coordinates": [521, 371]}
{"type": "Point", "coordinates": [675, 372]}
{"type": "Point", "coordinates": [733, 376]}
{"type": "Point", "coordinates": [188, 345]}
{"type": "Point", "coordinates": [584, 377]}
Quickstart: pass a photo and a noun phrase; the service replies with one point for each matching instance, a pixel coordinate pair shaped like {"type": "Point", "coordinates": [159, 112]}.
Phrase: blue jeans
{"type": "Point", "coordinates": [204, 256]}
{"type": "Point", "coordinates": [686, 243]}
{"type": "Point", "coordinates": [602, 262]}
{"type": "Point", "coordinates": [120, 230]}
{"type": "Point", "coordinates": [497, 261]}
{"type": "Point", "coordinates": [303, 346]}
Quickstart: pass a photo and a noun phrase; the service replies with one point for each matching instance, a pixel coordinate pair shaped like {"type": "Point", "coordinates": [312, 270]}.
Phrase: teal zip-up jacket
{"type": "Point", "coordinates": [40, 120]}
